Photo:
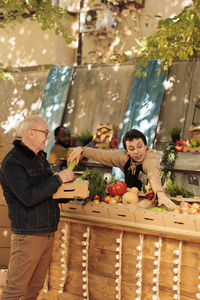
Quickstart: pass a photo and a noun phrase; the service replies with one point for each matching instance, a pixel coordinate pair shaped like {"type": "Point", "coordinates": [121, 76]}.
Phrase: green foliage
{"type": "Point", "coordinates": [175, 133]}
{"type": "Point", "coordinates": [96, 184]}
{"type": "Point", "coordinates": [49, 15]}
{"type": "Point", "coordinates": [177, 189]}
{"type": "Point", "coordinates": [85, 137]}
{"type": "Point", "coordinates": [168, 158]}
{"type": "Point", "coordinates": [177, 38]}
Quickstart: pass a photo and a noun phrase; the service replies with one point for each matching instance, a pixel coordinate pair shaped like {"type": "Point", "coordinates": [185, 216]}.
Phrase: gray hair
{"type": "Point", "coordinates": [28, 123]}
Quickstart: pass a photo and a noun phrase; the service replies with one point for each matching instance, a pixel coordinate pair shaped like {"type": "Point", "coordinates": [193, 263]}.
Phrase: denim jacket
{"type": "Point", "coordinates": [28, 184]}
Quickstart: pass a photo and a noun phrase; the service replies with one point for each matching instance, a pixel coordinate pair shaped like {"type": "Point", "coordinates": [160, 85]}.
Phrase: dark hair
{"type": "Point", "coordinates": [133, 134]}
{"type": "Point", "coordinates": [56, 131]}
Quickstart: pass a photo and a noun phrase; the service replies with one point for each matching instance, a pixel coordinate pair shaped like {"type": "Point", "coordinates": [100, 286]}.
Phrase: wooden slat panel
{"type": "Point", "coordinates": [4, 221]}
{"type": "Point", "coordinates": [4, 257]}
{"type": "Point", "coordinates": [5, 234]}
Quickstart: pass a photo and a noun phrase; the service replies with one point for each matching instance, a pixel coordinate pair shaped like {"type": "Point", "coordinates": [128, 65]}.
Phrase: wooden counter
{"type": "Point", "coordinates": [122, 260]}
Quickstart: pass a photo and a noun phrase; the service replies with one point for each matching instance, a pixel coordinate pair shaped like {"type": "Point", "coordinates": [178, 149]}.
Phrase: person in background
{"type": "Point", "coordinates": [135, 160]}
{"type": "Point", "coordinates": [60, 151]}
{"type": "Point", "coordinates": [28, 184]}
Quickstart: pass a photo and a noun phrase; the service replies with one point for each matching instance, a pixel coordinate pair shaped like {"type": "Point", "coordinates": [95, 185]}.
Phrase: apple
{"type": "Point", "coordinates": [96, 201]}
{"type": "Point", "coordinates": [107, 198]}
{"type": "Point", "coordinates": [118, 198]}
{"type": "Point", "coordinates": [112, 200]}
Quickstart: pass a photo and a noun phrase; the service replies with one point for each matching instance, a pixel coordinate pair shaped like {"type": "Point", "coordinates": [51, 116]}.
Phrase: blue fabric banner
{"type": "Point", "coordinates": [143, 105]}
{"type": "Point", "coordinates": [54, 99]}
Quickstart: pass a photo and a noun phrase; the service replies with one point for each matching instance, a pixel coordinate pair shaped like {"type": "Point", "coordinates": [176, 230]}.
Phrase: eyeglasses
{"type": "Point", "coordinates": [46, 132]}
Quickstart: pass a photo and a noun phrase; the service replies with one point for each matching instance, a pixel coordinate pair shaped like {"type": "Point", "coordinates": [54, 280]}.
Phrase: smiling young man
{"type": "Point", "coordinates": [136, 158]}
{"type": "Point", "coordinates": [28, 184]}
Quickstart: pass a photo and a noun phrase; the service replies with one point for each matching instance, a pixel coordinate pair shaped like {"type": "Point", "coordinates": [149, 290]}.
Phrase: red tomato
{"type": "Point", "coordinates": [179, 147]}
{"type": "Point", "coordinates": [117, 189]}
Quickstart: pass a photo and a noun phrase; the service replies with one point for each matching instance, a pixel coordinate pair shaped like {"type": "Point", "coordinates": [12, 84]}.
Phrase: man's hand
{"type": "Point", "coordinates": [75, 155]}
{"type": "Point", "coordinates": [163, 199]}
{"type": "Point", "coordinates": [66, 175]}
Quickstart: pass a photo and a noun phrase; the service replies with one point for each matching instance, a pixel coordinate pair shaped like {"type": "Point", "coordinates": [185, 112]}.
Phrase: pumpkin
{"type": "Point", "coordinates": [117, 189]}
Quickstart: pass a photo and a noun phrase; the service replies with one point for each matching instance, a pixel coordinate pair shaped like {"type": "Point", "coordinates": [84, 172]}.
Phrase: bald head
{"type": "Point", "coordinates": [28, 123]}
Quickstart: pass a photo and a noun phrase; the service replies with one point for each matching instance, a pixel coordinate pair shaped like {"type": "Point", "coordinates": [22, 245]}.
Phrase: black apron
{"type": "Point", "coordinates": [130, 179]}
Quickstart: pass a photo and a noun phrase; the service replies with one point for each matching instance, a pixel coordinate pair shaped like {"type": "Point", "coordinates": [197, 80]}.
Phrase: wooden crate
{"type": "Point", "coordinates": [73, 207]}
{"type": "Point", "coordinates": [121, 212]}
{"type": "Point", "coordinates": [180, 221]}
{"type": "Point", "coordinates": [149, 217]}
{"type": "Point", "coordinates": [96, 210]}
{"type": "Point", "coordinates": [76, 189]}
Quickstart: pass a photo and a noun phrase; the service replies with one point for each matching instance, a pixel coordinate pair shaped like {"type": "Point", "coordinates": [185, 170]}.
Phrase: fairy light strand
{"type": "Point", "coordinates": [85, 243]}
{"type": "Point", "coordinates": [177, 271]}
{"type": "Point", "coordinates": [139, 268]}
{"type": "Point", "coordinates": [156, 269]}
{"type": "Point", "coordinates": [118, 266]}
{"type": "Point", "coordinates": [198, 293]}
{"type": "Point", "coordinates": [63, 259]}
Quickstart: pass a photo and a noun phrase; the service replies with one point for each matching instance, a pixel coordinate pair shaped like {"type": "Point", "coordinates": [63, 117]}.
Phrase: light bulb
{"type": "Point", "coordinates": [156, 253]}
{"type": "Point", "coordinates": [63, 230]}
{"type": "Point", "coordinates": [139, 248]}
{"type": "Point", "coordinates": [60, 291]}
{"type": "Point", "coordinates": [176, 261]}
{"type": "Point", "coordinates": [157, 244]}
{"type": "Point", "coordinates": [85, 234]}
{"type": "Point", "coordinates": [154, 288]}
{"type": "Point", "coordinates": [155, 262]}
{"type": "Point", "coordinates": [175, 278]}
{"type": "Point", "coordinates": [138, 274]}
{"type": "Point", "coordinates": [118, 249]}
{"type": "Point", "coordinates": [84, 286]}
{"type": "Point", "coordinates": [176, 252]}
{"type": "Point", "coordinates": [118, 241]}
{"type": "Point", "coordinates": [138, 291]}
{"type": "Point", "coordinates": [175, 287]}
{"type": "Point", "coordinates": [155, 271]}
{"type": "Point", "coordinates": [175, 270]}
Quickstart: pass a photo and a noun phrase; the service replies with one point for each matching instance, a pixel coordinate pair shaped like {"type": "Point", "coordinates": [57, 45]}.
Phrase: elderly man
{"type": "Point", "coordinates": [28, 185]}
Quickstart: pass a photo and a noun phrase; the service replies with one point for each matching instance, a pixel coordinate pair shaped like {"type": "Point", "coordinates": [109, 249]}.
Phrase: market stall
{"type": "Point", "coordinates": [104, 251]}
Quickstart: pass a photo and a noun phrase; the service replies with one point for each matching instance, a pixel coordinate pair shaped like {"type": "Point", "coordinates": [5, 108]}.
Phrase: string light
{"type": "Point", "coordinates": [156, 270]}
{"type": "Point", "coordinates": [85, 243]}
{"type": "Point", "coordinates": [177, 271]}
{"type": "Point", "coordinates": [198, 294]}
{"type": "Point", "coordinates": [63, 260]}
{"type": "Point", "coordinates": [118, 266]}
{"type": "Point", "coordinates": [139, 249]}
